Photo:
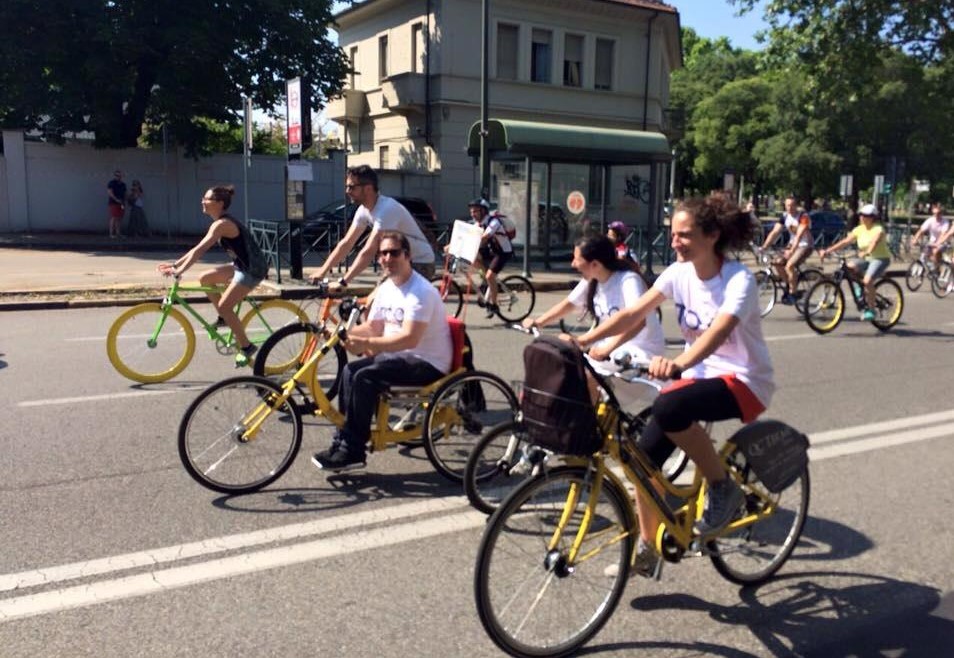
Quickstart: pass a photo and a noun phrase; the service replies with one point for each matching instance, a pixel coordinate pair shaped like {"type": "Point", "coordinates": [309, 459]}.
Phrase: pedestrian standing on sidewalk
{"type": "Point", "coordinates": [138, 225]}
{"type": "Point", "coordinates": [247, 270]}
{"type": "Point", "coordinates": [116, 203]}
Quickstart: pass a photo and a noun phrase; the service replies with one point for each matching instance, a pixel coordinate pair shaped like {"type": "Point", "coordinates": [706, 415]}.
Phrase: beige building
{"type": "Point", "coordinates": [414, 96]}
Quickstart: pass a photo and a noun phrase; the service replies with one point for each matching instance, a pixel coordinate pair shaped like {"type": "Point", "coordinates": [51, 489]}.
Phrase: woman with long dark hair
{"type": "Point", "coordinates": [725, 367]}
{"type": "Point", "coordinates": [609, 285]}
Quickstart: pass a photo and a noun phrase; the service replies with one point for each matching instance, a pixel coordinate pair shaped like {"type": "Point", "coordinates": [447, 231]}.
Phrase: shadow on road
{"type": "Point", "coordinates": [821, 613]}
{"type": "Point", "coordinates": [341, 491]}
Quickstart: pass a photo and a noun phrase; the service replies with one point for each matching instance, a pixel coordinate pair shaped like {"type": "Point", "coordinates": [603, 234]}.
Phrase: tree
{"type": "Point", "coordinates": [113, 66]}
{"type": "Point", "coordinates": [708, 65]}
{"type": "Point", "coordinates": [729, 124]}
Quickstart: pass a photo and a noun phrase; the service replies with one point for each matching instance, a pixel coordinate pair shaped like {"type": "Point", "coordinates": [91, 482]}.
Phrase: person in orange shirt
{"type": "Point", "coordinates": [800, 244]}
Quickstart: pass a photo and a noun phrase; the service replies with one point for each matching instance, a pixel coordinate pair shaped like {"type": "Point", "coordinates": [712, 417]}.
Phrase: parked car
{"type": "Point", "coordinates": [827, 226]}
{"type": "Point", "coordinates": [338, 214]}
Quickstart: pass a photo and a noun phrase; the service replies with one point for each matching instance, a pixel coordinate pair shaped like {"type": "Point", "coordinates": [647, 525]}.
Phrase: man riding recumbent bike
{"type": "Point", "coordinates": [243, 433]}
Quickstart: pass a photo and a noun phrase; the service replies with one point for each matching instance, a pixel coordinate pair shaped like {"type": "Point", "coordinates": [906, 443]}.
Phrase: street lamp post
{"type": "Point", "coordinates": [484, 65]}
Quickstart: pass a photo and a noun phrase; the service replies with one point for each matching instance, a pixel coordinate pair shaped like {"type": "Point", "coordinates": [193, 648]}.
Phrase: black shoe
{"type": "Point", "coordinates": [220, 323]}
{"type": "Point", "coordinates": [339, 460]}
{"type": "Point", "coordinates": [788, 299]}
{"type": "Point", "coordinates": [491, 310]}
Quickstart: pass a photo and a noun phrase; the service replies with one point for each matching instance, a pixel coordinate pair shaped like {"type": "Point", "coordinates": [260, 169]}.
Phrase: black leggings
{"type": "Point", "coordinates": [677, 408]}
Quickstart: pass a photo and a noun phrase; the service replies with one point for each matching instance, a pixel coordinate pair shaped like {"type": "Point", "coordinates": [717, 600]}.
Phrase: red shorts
{"type": "Point", "coordinates": [116, 211]}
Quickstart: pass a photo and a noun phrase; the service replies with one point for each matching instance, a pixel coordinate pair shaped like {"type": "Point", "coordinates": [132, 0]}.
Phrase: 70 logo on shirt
{"type": "Point", "coordinates": [690, 322]}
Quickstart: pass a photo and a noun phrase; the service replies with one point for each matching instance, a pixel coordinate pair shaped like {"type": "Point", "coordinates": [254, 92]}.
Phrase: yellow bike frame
{"type": "Point", "coordinates": [382, 434]}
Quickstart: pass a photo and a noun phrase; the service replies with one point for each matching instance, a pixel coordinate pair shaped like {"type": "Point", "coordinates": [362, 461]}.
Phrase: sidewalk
{"type": "Point", "coordinates": [44, 271]}
{"type": "Point", "coordinates": [74, 270]}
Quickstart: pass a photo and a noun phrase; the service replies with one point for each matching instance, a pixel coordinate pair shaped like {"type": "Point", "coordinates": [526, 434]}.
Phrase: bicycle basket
{"type": "Point", "coordinates": [563, 425]}
{"type": "Point", "coordinates": [778, 453]}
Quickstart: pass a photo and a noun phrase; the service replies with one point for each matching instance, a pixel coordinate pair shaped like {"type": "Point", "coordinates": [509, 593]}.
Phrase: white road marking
{"type": "Point", "coordinates": [162, 580]}
{"type": "Point", "coordinates": [106, 396]}
{"type": "Point", "coordinates": [49, 575]}
{"type": "Point", "coordinates": [446, 518]}
{"type": "Point", "coordinates": [773, 339]}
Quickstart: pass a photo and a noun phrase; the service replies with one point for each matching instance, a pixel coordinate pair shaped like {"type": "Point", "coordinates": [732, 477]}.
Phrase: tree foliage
{"type": "Point", "coordinates": [113, 66]}
{"type": "Point", "coordinates": [859, 87]}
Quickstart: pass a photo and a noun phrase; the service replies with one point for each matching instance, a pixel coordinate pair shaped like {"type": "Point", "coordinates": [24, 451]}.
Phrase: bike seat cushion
{"type": "Point", "coordinates": [458, 341]}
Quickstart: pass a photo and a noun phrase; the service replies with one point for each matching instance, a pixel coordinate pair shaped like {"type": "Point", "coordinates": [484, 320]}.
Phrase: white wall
{"type": "Point", "coordinates": [64, 187]}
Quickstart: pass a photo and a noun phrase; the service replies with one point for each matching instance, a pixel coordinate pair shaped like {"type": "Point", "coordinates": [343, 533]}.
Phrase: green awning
{"type": "Point", "coordinates": [567, 143]}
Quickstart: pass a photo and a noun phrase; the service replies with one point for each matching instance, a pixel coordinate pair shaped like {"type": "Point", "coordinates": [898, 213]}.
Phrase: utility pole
{"type": "Point", "coordinates": [484, 66]}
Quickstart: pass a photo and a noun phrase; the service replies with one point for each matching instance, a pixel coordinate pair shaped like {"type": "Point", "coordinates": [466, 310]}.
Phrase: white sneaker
{"type": "Point", "coordinates": [647, 563]}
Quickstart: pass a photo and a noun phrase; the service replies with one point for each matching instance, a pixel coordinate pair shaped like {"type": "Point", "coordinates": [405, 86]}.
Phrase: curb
{"type": "Point", "coordinates": [110, 298]}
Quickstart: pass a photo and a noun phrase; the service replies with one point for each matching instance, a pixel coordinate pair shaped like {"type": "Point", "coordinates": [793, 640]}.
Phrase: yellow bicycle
{"type": "Point", "coordinates": [243, 433]}
{"type": "Point", "coordinates": [154, 342]}
{"type": "Point", "coordinates": [555, 557]}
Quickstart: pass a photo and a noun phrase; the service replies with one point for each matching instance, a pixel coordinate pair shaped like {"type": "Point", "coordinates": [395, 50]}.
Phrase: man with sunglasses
{"type": "Point", "coordinates": [379, 213]}
{"type": "Point", "coordinates": [406, 341]}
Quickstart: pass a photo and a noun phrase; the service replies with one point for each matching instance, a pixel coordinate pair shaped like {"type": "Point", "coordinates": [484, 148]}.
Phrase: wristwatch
{"type": "Point", "coordinates": [343, 282]}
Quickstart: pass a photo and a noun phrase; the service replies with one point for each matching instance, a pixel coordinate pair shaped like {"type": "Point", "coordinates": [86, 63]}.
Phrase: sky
{"type": "Point", "coordinates": [716, 18]}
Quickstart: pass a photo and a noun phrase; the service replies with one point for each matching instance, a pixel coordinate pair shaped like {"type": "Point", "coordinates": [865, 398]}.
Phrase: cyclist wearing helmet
{"type": "Point", "coordinates": [873, 253]}
{"type": "Point", "coordinates": [495, 247]}
{"type": "Point", "coordinates": [617, 232]}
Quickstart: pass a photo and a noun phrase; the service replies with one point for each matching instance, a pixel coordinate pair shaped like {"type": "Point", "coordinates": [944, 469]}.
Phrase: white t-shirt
{"type": "Point", "coordinates": [791, 222]}
{"type": "Point", "coordinates": [935, 229]}
{"type": "Point", "coordinates": [389, 215]}
{"type": "Point", "coordinates": [622, 289]}
{"type": "Point", "coordinates": [732, 291]}
{"type": "Point", "coordinates": [418, 300]}
{"type": "Point", "coordinates": [494, 230]}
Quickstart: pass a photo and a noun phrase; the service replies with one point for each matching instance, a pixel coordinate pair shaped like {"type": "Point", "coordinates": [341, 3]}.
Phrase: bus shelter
{"type": "Point", "coordinates": [541, 171]}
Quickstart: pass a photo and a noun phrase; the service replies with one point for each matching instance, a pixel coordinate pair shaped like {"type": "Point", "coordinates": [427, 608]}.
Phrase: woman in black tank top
{"type": "Point", "coordinates": [246, 271]}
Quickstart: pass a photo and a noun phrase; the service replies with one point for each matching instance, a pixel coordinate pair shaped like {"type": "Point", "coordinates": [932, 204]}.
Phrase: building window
{"type": "Point", "coordinates": [418, 48]}
{"type": "Point", "coordinates": [384, 157]}
{"type": "Point", "coordinates": [508, 48]}
{"type": "Point", "coordinates": [573, 60]}
{"type": "Point", "coordinates": [382, 57]}
{"type": "Point", "coordinates": [540, 55]}
{"type": "Point", "coordinates": [603, 78]}
{"type": "Point", "coordinates": [353, 56]}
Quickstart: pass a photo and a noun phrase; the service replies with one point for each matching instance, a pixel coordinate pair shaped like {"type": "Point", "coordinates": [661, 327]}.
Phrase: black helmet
{"type": "Point", "coordinates": [482, 203]}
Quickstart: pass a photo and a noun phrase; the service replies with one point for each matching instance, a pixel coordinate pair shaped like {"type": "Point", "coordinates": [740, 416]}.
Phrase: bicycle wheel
{"type": "Point", "coordinates": [578, 322]}
{"type": "Point", "coordinates": [889, 304]}
{"type": "Point", "coordinates": [531, 600]}
{"type": "Point", "coordinates": [824, 306]}
{"type": "Point", "coordinates": [806, 279]}
{"type": "Point", "coordinates": [515, 298]}
{"type": "Point", "coordinates": [213, 445]}
{"type": "Point", "coordinates": [768, 292]}
{"type": "Point", "coordinates": [451, 294]}
{"type": "Point", "coordinates": [457, 415]}
{"type": "Point", "coordinates": [914, 277]}
{"type": "Point", "coordinates": [943, 280]}
{"type": "Point", "coordinates": [754, 553]}
{"type": "Point", "coordinates": [287, 349]}
{"type": "Point", "coordinates": [501, 461]}
{"type": "Point", "coordinates": [270, 316]}
{"type": "Point", "coordinates": [136, 357]}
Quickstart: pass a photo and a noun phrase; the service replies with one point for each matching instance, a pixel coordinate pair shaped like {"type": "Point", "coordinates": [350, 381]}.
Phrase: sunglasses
{"type": "Point", "coordinates": [393, 253]}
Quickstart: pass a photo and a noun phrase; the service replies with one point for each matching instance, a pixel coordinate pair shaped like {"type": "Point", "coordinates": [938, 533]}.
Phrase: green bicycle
{"type": "Point", "coordinates": [153, 342]}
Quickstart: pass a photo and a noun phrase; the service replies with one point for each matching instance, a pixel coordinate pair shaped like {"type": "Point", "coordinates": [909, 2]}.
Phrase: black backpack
{"type": "Point", "coordinates": [556, 408]}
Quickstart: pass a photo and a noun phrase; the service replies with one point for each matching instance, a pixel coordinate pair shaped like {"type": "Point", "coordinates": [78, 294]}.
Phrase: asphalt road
{"type": "Point", "coordinates": [109, 549]}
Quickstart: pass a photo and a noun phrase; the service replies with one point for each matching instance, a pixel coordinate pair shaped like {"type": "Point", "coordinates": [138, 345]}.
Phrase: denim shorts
{"type": "Point", "coordinates": [870, 269]}
{"type": "Point", "coordinates": [246, 279]}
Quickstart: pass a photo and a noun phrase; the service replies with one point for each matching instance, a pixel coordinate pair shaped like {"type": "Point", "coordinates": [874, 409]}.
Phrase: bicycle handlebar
{"type": "Point", "coordinates": [533, 330]}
